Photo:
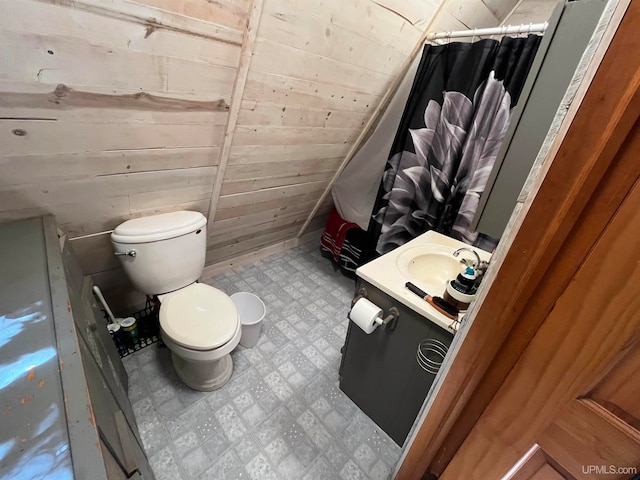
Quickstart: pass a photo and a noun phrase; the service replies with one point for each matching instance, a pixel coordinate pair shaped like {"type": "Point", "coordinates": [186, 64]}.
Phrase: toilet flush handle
{"type": "Point", "coordinates": [128, 253]}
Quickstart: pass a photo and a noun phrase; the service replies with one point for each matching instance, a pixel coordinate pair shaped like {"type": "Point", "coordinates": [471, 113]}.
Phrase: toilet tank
{"type": "Point", "coordinates": [162, 253]}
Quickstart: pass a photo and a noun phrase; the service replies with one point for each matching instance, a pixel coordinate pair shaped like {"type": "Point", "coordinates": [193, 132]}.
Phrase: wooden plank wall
{"type": "Point", "coordinates": [113, 109]}
{"type": "Point", "coordinates": [465, 14]}
{"type": "Point", "coordinates": [531, 11]}
{"type": "Point", "coordinates": [318, 71]}
{"type": "Point", "coordinates": [113, 112]}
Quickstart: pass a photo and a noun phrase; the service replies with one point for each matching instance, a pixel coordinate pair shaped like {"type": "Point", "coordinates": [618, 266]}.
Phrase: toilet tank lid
{"type": "Point", "coordinates": [158, 227]}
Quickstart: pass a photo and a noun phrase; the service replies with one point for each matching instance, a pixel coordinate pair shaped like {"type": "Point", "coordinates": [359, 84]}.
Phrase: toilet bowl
{"type": "Point", "coordinates": [163, 256]}
{"type": "Point", "coordinates": [201, 327]}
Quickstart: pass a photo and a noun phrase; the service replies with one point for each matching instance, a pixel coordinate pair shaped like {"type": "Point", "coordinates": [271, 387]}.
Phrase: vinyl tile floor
{"type": "Point", "coordinates": [281, 415]}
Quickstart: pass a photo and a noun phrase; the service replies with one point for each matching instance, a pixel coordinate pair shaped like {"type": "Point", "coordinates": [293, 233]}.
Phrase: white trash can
{"type": "Point", "coordinates": [251, 311]}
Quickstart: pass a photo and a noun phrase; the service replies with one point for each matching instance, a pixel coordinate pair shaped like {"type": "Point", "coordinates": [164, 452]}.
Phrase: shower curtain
{"type": "Point", "coordinates": [447, 141]}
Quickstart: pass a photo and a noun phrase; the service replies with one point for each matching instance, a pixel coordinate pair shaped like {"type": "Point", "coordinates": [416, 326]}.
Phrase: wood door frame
{"type": "Point", "coordinates": [573, 204]}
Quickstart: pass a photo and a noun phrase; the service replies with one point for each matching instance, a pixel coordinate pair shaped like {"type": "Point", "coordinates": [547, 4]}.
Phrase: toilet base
{"type": "Point", "coordinates": [203, 376]}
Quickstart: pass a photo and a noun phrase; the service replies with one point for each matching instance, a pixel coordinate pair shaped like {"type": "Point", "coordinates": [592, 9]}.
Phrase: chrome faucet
{"type": "Point", "coordinates": [478, 261]}
{"type": "Point", "coordinates": [480, 266]}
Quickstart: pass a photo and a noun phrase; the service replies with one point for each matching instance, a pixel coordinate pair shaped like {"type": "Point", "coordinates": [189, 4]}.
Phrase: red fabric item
{"type": "Point", "coordinates": [335, 232]}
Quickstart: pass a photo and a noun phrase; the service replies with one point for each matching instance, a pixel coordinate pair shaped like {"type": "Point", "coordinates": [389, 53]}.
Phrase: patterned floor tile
{"type": "Point", "coordinates": [216, 445]}
{"type": "Point", "coordinates": [321, 469]}
{"type": "Point", "coordinates": [253, 415]}
{"type": "Point", "coordinates": [291, 467]}
{"type": "Point", "coordinates": [260, 469]}
{"type": "Point", "coordinates": [247, 448]}
{"type": "Point", "coordinates": [277, 450]}
{"type": "Point", "coordinates": [350, 471]}
{"type": "Point", "coordinates": [306, 452]}
{"type": "Point", "coordinates": [365, 457]}
{"type": "Point", "coordinates": [337, 454]}
{"type": "Point", "coordinates": [195, 462]}
{"type": "Point", "coordinates": [231, 423]}
{"type": "Point", "coordinates": [225, 467]}
{"type": "Point", "coordinates": [282, 415]}
{"type": "Point", "coordinates": [164, 465]}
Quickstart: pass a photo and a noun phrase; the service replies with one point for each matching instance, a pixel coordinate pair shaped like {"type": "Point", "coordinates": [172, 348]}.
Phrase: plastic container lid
{"type": "Point", "coordinates": [158, 227]}
{"type": "Point", "coordinates": [199, 317]}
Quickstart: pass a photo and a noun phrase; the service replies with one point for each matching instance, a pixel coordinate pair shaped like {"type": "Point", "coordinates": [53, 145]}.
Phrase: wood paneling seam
{"type": "Point", "coordinates": [248, 44]}
{"type": "Point", "coordinates": [511, 12]}
{"type": "Point", "coordinates": [377, 114]}
{"type": "Point", "coordinates": [170, 21]}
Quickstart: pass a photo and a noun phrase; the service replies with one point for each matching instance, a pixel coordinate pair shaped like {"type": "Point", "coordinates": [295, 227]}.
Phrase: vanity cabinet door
{"type": "Point", "coordinates": [380, 371]}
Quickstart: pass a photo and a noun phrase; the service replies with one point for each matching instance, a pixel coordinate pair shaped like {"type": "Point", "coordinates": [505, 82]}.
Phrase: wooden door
{"type": "Point", "coordinates": [539, 369]}
{"type": "Point", "coordinates": [575, 390]}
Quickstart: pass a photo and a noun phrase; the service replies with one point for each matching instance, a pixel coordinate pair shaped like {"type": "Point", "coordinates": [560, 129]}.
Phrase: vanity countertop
{"type": "Point", "coordinates": [384, 273]}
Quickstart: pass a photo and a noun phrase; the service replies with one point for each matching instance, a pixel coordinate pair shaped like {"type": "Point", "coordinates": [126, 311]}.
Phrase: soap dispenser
{"type": "Point", "coordinates": [461, 290]}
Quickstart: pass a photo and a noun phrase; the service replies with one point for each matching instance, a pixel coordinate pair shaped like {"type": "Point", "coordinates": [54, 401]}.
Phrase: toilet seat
{"type": "Point", "coordinates": [199, 317]}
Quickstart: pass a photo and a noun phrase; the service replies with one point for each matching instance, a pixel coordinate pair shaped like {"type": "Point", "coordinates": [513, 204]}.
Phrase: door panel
{"type": "Point", "coordinates": [618, 391]}
{"type": "Point", "coordinates": [547, 472]}
{"type": "Point", "coordinates": [600, 430]}
{"type": "Point", "coordinates": [586, 436]}
{"type": "Point", "coordinates": [562, 309]}
{"type": "Point", "coordinates": [594, 323]}
{"type": "Point", "coordinates": [537, 465]}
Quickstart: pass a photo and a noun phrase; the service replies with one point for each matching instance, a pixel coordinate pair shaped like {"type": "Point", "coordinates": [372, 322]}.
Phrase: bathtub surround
{"type": "Point", "coordinates": [282, 415]}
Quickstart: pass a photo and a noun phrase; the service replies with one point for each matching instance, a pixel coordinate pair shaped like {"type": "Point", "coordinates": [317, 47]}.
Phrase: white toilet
{"type": "Point", "coordinates": [164, 255]}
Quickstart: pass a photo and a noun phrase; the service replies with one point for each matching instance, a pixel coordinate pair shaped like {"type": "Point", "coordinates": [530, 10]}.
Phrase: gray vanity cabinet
{"type": "Point", "coordinates": [380, 371]}
{"type": "Point", "coordinates": [66, 413]}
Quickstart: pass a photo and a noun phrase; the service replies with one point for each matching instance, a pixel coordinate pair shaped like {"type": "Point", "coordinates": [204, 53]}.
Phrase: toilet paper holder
{"type": "Point", "coordinates": [362, 293]}
{"type": "Point", "coordinates": [392, 314]}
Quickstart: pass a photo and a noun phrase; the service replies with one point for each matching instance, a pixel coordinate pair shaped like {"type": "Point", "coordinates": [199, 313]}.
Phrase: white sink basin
{"type": "Point", "coordinates": [429, 266]}
{"type": "Point", "coordinates": [428, 262]}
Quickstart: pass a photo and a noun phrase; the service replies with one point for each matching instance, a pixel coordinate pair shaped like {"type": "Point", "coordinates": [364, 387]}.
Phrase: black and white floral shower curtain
{"type": "Point", "coordinates": [448, 139]}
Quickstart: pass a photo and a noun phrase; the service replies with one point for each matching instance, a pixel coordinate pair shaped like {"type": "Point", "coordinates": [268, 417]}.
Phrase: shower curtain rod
{"type": "Point", "coordinates": [480, 32]}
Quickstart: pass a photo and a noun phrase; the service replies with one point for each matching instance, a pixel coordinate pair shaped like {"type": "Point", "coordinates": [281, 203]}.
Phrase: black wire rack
{"type": "Point", "coordinates": [147, 331]}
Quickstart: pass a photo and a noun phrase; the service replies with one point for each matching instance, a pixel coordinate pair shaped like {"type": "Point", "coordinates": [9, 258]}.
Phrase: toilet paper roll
{"type": "Point", "coordinates": [366, 315]}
